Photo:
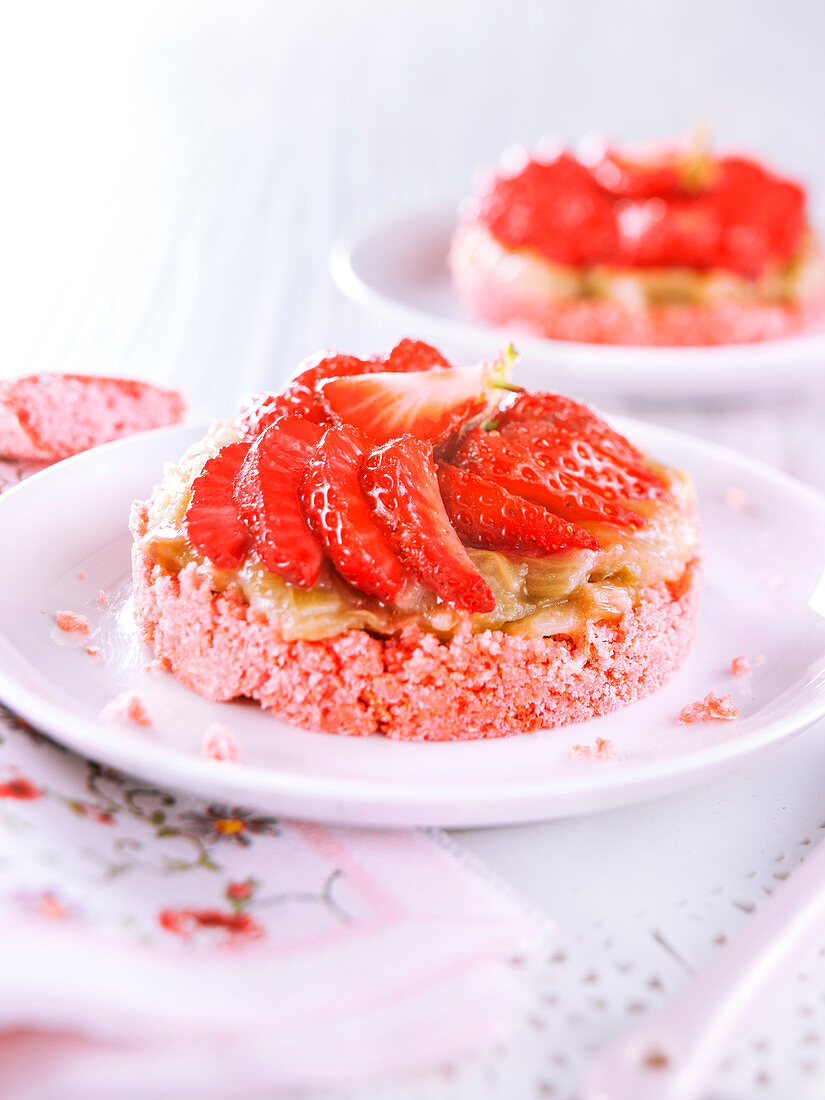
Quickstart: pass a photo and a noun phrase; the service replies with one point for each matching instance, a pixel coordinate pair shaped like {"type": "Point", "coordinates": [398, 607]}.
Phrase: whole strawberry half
{"type": "Point", "coordinates": [302, 396]}
{"type": "Point", "coordinates": [562, 482]}
{"type": "Point", "coordinates": [400, 483]}
{"type": "Point", "coordinates": [425, 404]}
{"type": "Point", "coordinates": [337, 512]}
{"type": "Point", "coordinates": [488, 516]}
{"type": "Point", "coordinates": [215, 528]}
{"type": "Point", "coordinates": [266, 495]}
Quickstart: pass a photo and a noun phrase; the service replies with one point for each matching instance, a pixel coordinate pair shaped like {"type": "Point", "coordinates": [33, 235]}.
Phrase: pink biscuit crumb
{"type": "Point", "coordinates": [602, 750]}
{"type": "Point", "coordinates": [220, 744]}
{"type": "Point", "coordinates": [81, 576]}
{"type": "Point", "coordinates": [713, 707]}
{"type": "Point", "coordinates": [71, 623]}
{"type": "Point", "coordinates": [102, 598]}
{"type": "Point", "coordinates": [129, 707]}
{"type": "Point", "coordinates": [735, 499]}
{"type": "Point", "coordinates": [740, 666]}
{"type": "Point", "coordinates": [92, 650]}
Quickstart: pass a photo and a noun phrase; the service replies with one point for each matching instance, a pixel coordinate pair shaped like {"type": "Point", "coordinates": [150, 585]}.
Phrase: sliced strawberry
{"type": "Point", "coordinates": [302, 395]}
{"type": "Point", "coordinates": [215, 528]}
{"type": "Point", "coordinates": [401, 486]}
{"type": "Point", "coordinates": [488, 516]}
{"type": "Point", "coordinates": [557, 482]}
{"type": "Point", "coordinates": [266, 494]}
{"type": "Point", "coordinates": [410, 355]}
{"type": "Point", "coordinates": [532, 413]}
{"type": "Point", "coordinates": [425, 404]}
{"type": "Point", "coordinates": [337, 512]}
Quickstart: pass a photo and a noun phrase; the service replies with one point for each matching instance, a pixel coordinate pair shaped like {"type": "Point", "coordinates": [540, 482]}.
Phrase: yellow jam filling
{"type": "Point", "coordinates": [543, 596]}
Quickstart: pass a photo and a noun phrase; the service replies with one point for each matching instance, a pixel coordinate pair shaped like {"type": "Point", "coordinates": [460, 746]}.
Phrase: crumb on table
{"type": "Point", "coordinates": [72, 623]}
{"type": "Point", "coordinates": [718, 708]}
{"type": "Point", "coordinates": [602, 750]}
{"type": "Point", "coordinates": [740, 666]}
{"type": "Point", "coordinates": [128, 707]}
{"type": "Point", "coordinates": [219, 744]}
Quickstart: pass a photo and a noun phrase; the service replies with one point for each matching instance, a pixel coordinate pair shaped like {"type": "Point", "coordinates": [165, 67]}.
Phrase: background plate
{"type": "Point", "coordinates": [398, 266]}
{"type": "Point", "coordinates": [63, 538]}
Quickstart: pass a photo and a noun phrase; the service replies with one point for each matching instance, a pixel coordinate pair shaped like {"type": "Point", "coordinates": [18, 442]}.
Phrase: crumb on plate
{"type": "Point", "coordinates": [92, 650]}
{"type": "Point", "coordinates": [602, 750]}
{"type": "Point", "coordinates": [219, 744]}
{"type": "Point", "coordinates": [740, 666]}
{"type": "Point", "coordinates": [719, 708]}
{"type": "Point", "coordinates": [128, 707]}
{"type": "Point", "coordinates": [735, 499]}
{"type": "Point", "coordinates": [72, 623]}
{"type": "Point", "coordinates": [102, 598]}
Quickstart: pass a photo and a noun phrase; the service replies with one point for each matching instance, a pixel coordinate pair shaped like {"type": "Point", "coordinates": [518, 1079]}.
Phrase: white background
{"type": "Point", "coordinates": [172, 177]}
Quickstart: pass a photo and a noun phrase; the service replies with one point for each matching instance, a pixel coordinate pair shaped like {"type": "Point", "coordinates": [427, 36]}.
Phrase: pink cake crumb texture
{"type": "Point", "coordinates": [128, 707]}
{"type": "Point", "coordinates": [412, 686]}
{"type": "Point", "coordinates": [719, 708]}
{"type": "Point", "coordinates": [602, 750]}
{"type": "Point", "coordinates": [52, 416]}
{"type": "Point", "coordinates": [488, 291]}
{"type": "Point", "coordinates": [740, 666]}
{"type": "Point", "coordinates": [72, 623]}
{"type": "Point", "coordinates": [219, 744]}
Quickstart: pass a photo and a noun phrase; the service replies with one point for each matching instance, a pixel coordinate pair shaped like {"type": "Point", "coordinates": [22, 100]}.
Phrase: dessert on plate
{"type": "Point", "coordinates": [394, 545]}
{"type": "Point", "coordinates": [666, 245]}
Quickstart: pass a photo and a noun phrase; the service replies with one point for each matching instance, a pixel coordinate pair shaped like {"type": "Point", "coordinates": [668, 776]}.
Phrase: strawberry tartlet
{"type": "Point", "coordinates": [397, 546]}
{"type": "Point", "coordinates": [665, 246]}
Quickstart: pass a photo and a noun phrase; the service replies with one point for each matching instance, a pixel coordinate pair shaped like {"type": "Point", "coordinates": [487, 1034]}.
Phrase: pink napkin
{"type": "Point", "coordinates": [151, 945]}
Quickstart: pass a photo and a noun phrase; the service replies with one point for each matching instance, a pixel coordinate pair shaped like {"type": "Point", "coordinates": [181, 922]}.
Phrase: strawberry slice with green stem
{"type": "Point", "coordinates": [400, 483]}
{"type": "Point", "coordinates": [425, 404]}
{"type": "Point", "coordinates": [335, 507]}
{"type": "Point", "coordinates": [489, 517]}
{"type": "Point", "coordinates": [214, 526]}
{"type": "Point", "coordinates": [266, 495]}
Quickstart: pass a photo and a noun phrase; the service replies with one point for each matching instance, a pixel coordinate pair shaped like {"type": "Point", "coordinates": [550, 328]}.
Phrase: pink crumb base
{"type": "Point", "coordinates": [410, 687]}
{"type": "Point", "coordinates": [488, 292]}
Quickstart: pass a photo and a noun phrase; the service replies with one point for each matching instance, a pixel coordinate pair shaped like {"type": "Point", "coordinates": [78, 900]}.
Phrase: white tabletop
{"type": "Point", "coordinates": [175, 176]}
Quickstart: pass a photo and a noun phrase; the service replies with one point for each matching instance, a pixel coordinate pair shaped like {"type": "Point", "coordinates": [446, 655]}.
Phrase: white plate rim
{"type": "Point", "coordinates": [184, 771]}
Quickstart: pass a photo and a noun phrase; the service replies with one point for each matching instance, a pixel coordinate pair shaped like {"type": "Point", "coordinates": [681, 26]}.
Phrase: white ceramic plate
{"type": "Point", "coordinates": [398, 268]}
{"type": "Point", "coordinates": [63, 538]}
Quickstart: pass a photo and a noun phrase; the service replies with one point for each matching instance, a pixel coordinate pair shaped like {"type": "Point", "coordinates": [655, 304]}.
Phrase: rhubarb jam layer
{"type": "Point", "coordinates": [541, 597]}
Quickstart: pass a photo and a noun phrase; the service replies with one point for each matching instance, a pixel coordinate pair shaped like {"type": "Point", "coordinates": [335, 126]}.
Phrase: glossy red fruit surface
{"type": "Point", "coordinates": [212, 520]}
{"type": "Point", "coordinates": [337, 512]}
{"type": "Point", "coordinates": [489, 517]}
{"type": "Point", "coordinates": [401, 486]}
{"type": "Point", "coordinates": [266, 494]}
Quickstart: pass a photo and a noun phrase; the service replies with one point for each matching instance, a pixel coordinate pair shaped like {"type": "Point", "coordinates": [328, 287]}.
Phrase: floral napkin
{"type": "Point", "coordinates": [153, 944]}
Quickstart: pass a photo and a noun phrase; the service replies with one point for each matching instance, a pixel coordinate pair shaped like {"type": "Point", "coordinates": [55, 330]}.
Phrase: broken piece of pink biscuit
{"type": "Point", "coordinates": [718, 708]}
{"type": "Point", "coordinates": [72, 623]}
{"type": "Point", "coordinates": [740, 666]}
{"type": "Point", "coordinates": [102, 598]}
{"type": "Point", "coordinates": [128, 707]}
{"type": "Point", "coordinates": [220, 744]}
{"type": "Point", "coordinates": [92, 650]}
{"type": "Point", "coordinates": [602, 750]}
{"type": "Point", "coordinates": [51, 416]}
